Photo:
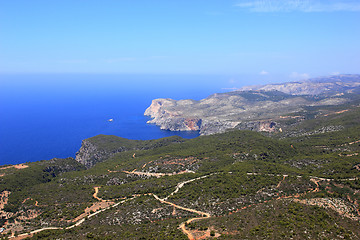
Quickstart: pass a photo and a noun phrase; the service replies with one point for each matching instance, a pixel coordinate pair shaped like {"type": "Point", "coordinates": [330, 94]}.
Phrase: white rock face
{"type": "Point", "coordinates": [214, 114]}
{"type": "Point", "coordinates": [163, 114]}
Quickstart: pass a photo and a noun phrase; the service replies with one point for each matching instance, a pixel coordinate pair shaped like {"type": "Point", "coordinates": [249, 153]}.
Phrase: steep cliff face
{"type": "Point", "coordinates": [218, 126]}
{"type": "Point", "coordinates": [259, 126]}
{"type": "Point", "coordinates": [102, 147]}
{"type": "Point", "coordinates": [156, 108]}
{"type": "Point", "coordinates": [162, 115]}
{"type": "Point", "coordinates": [220, 112]}
{"type": "Point", "coordinates": [256, 110]}
{"type": "Point", "coordinates": [89, 154]}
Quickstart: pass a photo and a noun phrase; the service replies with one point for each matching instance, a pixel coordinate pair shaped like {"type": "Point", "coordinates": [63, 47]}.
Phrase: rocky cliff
{"type": "Point", "coordinates": [161, 110]}
{"type": "Point", "coordinates": [253, 108]}
{"type": "Point", "coordinates": [102, 147]}
{"type": "Point", "coordinates": [89, 154]}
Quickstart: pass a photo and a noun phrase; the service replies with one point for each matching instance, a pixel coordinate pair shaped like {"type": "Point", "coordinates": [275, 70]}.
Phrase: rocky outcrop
{"type": "Point", "coordinates": [160, 111]}
{"type": "Point", "coordinates": [259, 126]}
{"type": "Point", "coordinates": [102, 147]}
{"type": "Point", "coordinates": [58, 166]}
{"type": "Point", "coordinates": [253, 108]}
{"type": "Point", "coordinates": [212, 127]}
{"type": "Point", "coordinates": [220, 112]}
{"type": "Point", "coordinates": [89, 154]}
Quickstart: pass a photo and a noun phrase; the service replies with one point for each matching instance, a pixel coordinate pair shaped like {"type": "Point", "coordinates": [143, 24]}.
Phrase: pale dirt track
{"type": "Point", "coordinates": [104, 205]}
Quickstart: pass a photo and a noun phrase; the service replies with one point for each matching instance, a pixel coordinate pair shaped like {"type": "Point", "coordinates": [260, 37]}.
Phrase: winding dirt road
{"type": "Point", "coordinates": [95, 195]}
{"type": "Point", "coordinates": [182, 226]}
{"type": "Point", "coordinates": [79, 221]}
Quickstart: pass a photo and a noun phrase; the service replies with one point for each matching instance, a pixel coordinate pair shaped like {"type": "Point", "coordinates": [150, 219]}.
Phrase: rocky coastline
{"type": "Point", "coordinates": [260, 108]}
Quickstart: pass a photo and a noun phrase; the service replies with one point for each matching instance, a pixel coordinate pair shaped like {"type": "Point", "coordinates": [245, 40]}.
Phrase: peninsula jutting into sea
{"type": "Point", "coordinates": [260, 108]}
{"type": "Point", "coordinates": [180, 120]}
{"type": "Point", "coordinates": [297, 169]}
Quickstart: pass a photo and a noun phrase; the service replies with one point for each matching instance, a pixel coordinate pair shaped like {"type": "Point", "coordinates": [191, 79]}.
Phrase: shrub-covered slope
{"type": "Point", "coordinates": [301, 183]}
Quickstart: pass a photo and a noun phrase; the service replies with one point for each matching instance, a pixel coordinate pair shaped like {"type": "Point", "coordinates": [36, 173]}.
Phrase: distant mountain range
{"type": "Point", "coordinates": [260, 108]}
{"type": "Point", "coordinates": [315, 86]}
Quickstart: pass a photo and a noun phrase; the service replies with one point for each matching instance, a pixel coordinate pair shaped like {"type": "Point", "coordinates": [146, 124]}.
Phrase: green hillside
{"type": "Point", "coordinates": [301, 183]}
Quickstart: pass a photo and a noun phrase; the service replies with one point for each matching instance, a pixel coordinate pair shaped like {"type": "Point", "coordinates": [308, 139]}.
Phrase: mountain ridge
{"type": "Point", "coordinates": [313, 86]}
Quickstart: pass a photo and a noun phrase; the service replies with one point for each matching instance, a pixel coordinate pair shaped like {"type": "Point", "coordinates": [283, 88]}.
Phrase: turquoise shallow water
{"type": "Point", "coordinates": [46, 116]}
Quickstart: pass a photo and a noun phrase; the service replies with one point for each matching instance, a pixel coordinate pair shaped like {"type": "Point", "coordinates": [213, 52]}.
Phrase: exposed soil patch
{"type": "Point", "coordinates": [18, 166]}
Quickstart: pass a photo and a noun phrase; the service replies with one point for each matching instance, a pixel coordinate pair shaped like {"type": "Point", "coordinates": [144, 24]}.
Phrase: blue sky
{"type": "Point", "coordinates": [294, 38]}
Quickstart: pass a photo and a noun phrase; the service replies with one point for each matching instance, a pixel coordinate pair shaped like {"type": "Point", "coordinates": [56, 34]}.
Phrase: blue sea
{"type": "Point", "coordinates": [43, 116]}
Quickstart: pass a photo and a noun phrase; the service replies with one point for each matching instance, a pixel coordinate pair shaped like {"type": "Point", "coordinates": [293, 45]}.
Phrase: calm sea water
{"type": "Point", "coordinates": [47, 116]}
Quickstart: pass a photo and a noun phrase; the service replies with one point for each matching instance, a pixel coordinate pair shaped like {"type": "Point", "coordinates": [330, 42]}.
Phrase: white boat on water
{"type": "Point", "coordinates": [110, 120]}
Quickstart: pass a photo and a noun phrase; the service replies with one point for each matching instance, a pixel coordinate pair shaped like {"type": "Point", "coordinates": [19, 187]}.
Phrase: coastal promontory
{"type": "Point", "coordinates": [259, 108]}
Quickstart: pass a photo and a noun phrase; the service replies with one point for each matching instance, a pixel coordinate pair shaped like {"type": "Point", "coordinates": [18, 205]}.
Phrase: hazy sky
{"type": "Point", "coordinates": [297, 38]}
